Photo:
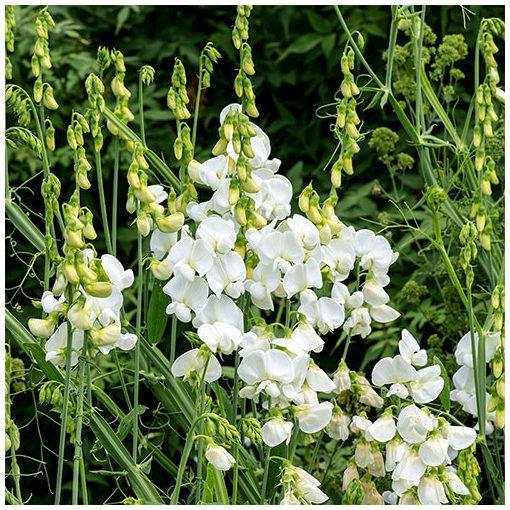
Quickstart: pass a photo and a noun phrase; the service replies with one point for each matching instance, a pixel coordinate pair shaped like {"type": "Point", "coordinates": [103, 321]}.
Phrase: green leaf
{"type": "Point", "coordinates": [301, 45]}
{"type": "Point", "coordinates": [24, 225]}
{"type": "Point", "coordinates": [444, 396]}
{"type": "Point", "coordinates": [156, 318]}
{"type": "Point", "coordinates": [220, 488]}
{"type": "Point", "coordinates": [122, 17]}
{"type": "Point", "coordinates": [126, 423]}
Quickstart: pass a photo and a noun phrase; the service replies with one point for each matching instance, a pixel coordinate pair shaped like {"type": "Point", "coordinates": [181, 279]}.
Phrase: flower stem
{"type": "Point", "coordinates": [266, 474]}
{"type": "Point", "coordinates": [116, 155]}
{"type": "Point", "coordinates": [137, 347]}
{"type": "Point", "coordinates": [78, 451]}
{"type": "Point", "coordinates": [202, 391]}
{"type": "Point", "coordinates": [197, 104]}
{"type": "Point", "coordinates": [173, 338]}
{"type": "Point", "coordinates": [65, 406]}
{"type": "Point", "coordinates": [140, 107]}
{"type": "Point", "coordinates": [315, 451]}
{"type": "Point", "coordinates": [102, 201]}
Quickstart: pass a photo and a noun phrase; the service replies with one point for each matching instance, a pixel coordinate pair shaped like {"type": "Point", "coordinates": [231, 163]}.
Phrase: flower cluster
{"type": "Point", "coordinates": [246, 245]}
{"type": "Point", "coordinates": [408, 443]}
{"type": "Point", "coordinates": [95, 311]}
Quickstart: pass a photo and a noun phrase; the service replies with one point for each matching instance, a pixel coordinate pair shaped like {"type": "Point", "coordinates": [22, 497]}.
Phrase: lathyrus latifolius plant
{"type": "Point", "coordinates": [254, 293]}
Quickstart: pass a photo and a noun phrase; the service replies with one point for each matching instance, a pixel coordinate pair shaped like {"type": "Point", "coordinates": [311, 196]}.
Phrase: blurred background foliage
{"type": "Point", "coordinates": [296, 51]}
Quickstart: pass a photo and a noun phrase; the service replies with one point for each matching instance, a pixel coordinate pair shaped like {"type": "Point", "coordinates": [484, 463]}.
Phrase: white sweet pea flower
{"type": "Point", "coordinates": [220, 337]}
{"type": "Point", "coordinates": [383, 313]}
{"type": "Point", "coordinates": [411, 467]}
{"type": "Point", "coordinates": [342, 378]}
{"type": "Point", "coordinates": [314, 417]}
{"type": "Point", "coordinates": [374, 251]}
{"type": "Point", "coordinates": [463, 352]}
{"type": "Point", "coordinates": [434, 451]}
{"type": "Point", "coordinates": [265, 371]}
{"type": "Point", "coordinates": [211, 172]}
{"type": "Point", "coordinates": [187, 296]}
{"type": "Point", "coordinates": [122, 279]}
{"type": "Point", "coordinates": [324, 313]}
{"type": "Point", "coordinates": [307, 486]}
{"type": "Point", "coordinates": [254, 340]}
{"type": "Point", "coordinates": [192, 364]}
{"type": "Point", "coordinates": [227, 274]}
{"type": "Point", "coordinates": [427, 385]}
{"type": "Point", "coordinates": [338, 427]}
{"type": "Point", "coordinates": [302, 276]}
{"type": "Point", "coordinates": [339, 256]}
{"type": "Point", "coordinates": [359, 322]}
{"type": "Point", "coordinates": [275, 194]}
{"type": "Point", "coordinates": [50, 304]}
{"type": "Point", "coordinates": [159, 192]}
{"type": "Point", "coordinates": [363, 455]}
{"type": "Point", "coordinates": [413, 424]}
{"type": "Point", "coordinates": [367, 394]}
{"type": "Point", "coordinates": [393, 371]}
{"type": "Point", "coordinates": [455, 483]}
{"type": "Point", "coordinates": [395, 450]}
{"type": "Point", "coordinates": [306, 339]}
{"type": "Point", "coordinates": [410, 350]}
{"type": "Point", "coordinates": [318, 380]}
{"type": "Point", "coordinates": [56, 346]}
{"type": "Point", "coordinates": [266, 280]}
{"type": "Point", "coordinates": [189, 257]}
{"type": "Point", "coordinates": [460, 437]}
{"type": "Point", "coordinates": [383, 429]}
{"type": "Point", "coordinates": [219, 457]}
{"type": "Point", "coordinates": [161, 243]}
{"type": "Point", "coordinates": [374, 294]}
{"type": "Point", "coordinates": [431, 491]}
{"type": "Point", "coordinates": [219, 234]}
{"type": "Point", "coordinates": [296, 390]}
{"type": "Point", "coordinates": [306, 231]}
{"type": "Point", "coordinates": [221, 309]}
{"type": "Point", "coordinates": [276, 431]}
{"type": "Point", "coordinates": [280, 250]}
{"type": "Point", "coordinates": [81, 314]}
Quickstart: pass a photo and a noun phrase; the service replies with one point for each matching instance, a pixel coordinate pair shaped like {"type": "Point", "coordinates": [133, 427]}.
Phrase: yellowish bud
{"type": "Point", "coordinates": [98, 289]}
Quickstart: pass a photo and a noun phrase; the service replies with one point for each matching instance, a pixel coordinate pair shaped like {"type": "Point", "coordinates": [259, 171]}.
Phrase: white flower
{"type": "Point", "coordinates": [302, 276]}
{"type": "Point", "coordinates": [267, 370]}
{"type": "Point", "coordinates": [338, 427]}
{"type": "Point", "coordinates": [374, 294]}
{"type": "Point", "coordinates": [50, 304]}
{"type": "Point", "coordinates": [374, 251]}
{"type": "Point", "coordinates": [122, 279]}
{"type": "Point", "coordinates": [194, 362]}
{"type": "Point", "coordinates": [393, 370]}
{"type": "Point", "coordinates": [276, 431]}
{"type": "Point", "coordinates": [266, 280]}
{"type": "Point", "coordinates": [363, 454]}
{"type": "Point", "coordinates": [159, 192]}
{"type": "Point", "coordinates": [56, 346]}
{"type": "Point", "coordinates": [463, 352]}
{"type": "Point", "coordinates": [305, 230]}
{"type": "Point", "coordinates": [410, 350]}
{"type": "Point", "coordinates": [395, 450]}
{"type": "Point", "coordinates": [212, 172]}
{"type": "Point", "coordinates": [219, 457]}
{"type": "Point", "coordinates": [383, 429]}
{"type": "Point", "coordinates": [81, 314]}
{"type": "Point", "coordinates": [383, 313]}
{"type": "Point", "coordinates": [339, 256]}
{"type": "Point", "coordinates": [460, 437]}
{"type": "Point", "coordinates": [219, 234]}
{"type": "Point", "coordinates": [455, 483]}
{"type": "Point", "coordinates": [221, 309]}
{"type": "Point", "coordinates": [358, 322]}
{"type": "Point", "coordinates": [367, 394]}
{"type": "Point", "coordinates": [314, 417]}
{"type": "Point", "coordinates": [280, 250]}
{"type": "Point", "coordinates": [308, 486]}
{"type": "Point", "coordinates": [273, 200]}
{"type": "Point", "coordinates": [189, 256]}
{"type": "Point", "coordinates": [306, 339]}
{"type": "Point", "coordinates": [318, 380]}
{"type": "Point", "coordinates": [220, 337]}
{"type": "Point", "coordinates": [227, 274]}
{"type": "Point", "coordinates": [410, 467]}
{"type": "Point", "coordinates": [428, 384]}
{"type": "Point", "coordinates": [161, 243]}
{"type": "Point", "coordinates": [187, 296]}
{"type": "Point", "coordinates": [434, 451]}
{"type": "Point", "coordinates": [342, 379]}
{"type": "Point", "coordinates": [413, 424]}
{"type": "Point", "coordinates": [324, 314]}
{"type": "Point", "coordinates": [289, 498]}
{"type": "Point", "coordinates": [431, 491]}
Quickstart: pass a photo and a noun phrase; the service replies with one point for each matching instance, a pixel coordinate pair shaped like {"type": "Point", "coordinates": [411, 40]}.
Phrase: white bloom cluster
{"type": "Point", "coordinates": [251, 245]}
{"type": "Point", "coordinates": [300, 487]}
{"type": "Point", "coordinates": [408, 442]}
{"type": "Point", "coordinates": [95, 311]}
{"type": "Point", "coordinates": [464, 377]}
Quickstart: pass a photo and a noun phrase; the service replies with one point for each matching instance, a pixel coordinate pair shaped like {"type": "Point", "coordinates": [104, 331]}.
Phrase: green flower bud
{"type": "Point", "coordinates": [48, 99]}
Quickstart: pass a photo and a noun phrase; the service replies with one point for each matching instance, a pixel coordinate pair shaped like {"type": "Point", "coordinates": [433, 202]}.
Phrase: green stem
{"type": "Point", "coordinates": [137, 347]}
{"type": "Point", "coordinates": [78, 451]}
{"type": "Point", "coordinates": [65, 406]}
{"type": "Point", "coordinates": [266, 474]}
{"type": "Point", "coordinates": [116, 155]}
{"type": "Point", "coordinates": [140, 107]}
{"type": "Point", "coordinates": [173, 338]}
{"type": "Point", "coordinates": [102, 201]}
{"type": "Point", "coordinates": [315, 451]}
{"type": "Point", "coordinates": [197, 104]}
{"type": "Point", "coordinates": [287, 313]}
{"type": "Point", "coordinates": [391, 47]}
{"type": "Point", "coordinates": [201, 410]}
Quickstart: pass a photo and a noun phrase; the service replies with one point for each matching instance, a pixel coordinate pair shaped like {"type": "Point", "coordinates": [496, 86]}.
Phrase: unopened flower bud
{"type": "Point", "coordinates": [98, 289]}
